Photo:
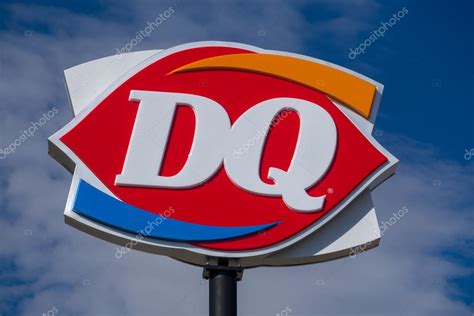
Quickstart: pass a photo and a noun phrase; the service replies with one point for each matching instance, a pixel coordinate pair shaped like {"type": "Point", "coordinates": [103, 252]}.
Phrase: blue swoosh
{"type": "Point", "coordinates": [100, 207]}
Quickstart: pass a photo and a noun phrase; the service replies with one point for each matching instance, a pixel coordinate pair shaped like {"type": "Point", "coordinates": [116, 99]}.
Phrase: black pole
{"type": "Point", "coordinates": [222, 293]}
{"type": "Point", "coordinates": [222, 287]}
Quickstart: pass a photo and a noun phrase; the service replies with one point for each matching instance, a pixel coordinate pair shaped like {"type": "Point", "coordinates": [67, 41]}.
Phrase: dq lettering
{"type": "Point", "coordinates": [214, 140]}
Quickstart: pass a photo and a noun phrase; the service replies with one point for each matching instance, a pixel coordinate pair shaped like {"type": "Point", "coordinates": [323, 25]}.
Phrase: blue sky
{"type": "Point", "coordinates": [425, 63]}
{"type": "Point", "coordinates": [424, 265]}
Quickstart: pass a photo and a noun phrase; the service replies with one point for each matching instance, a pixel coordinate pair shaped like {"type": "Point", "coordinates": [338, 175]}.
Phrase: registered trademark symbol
{"type": "Point", "coordinates": [330, 191]}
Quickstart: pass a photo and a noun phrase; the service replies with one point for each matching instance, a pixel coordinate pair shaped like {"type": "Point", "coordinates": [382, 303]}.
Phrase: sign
{"type": "Point", "coordinates": [217, 149]}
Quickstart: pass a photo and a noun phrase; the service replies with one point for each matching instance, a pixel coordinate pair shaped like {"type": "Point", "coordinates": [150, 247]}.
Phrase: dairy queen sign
{"type": "Point", "coordinates": [225, 156]}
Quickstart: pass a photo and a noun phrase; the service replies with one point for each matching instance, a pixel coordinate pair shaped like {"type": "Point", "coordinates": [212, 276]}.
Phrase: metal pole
{"type": "Point", "coordinates": [222, 292]}
{"type": "Point", "coordinates": [223, 276]}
